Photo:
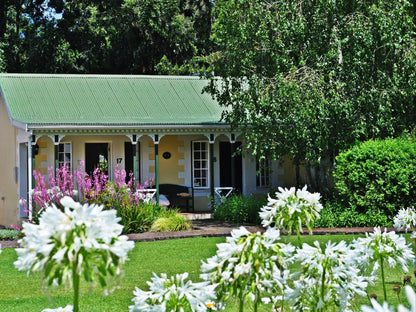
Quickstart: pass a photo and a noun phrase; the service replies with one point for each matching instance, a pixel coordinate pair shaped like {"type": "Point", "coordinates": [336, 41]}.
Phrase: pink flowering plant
{"type": "Point", "coordinates": [130, 199]}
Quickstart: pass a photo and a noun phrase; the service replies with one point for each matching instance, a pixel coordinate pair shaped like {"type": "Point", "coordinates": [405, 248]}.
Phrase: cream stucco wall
{"type": "Point", "coordinates": [8, 169]}
{"type": "Point", "coordinates": [175, 170]}
{"type": "Point", "coordinates": [170, 170]}
{"type": "Point", "coordinates": [115, 144]}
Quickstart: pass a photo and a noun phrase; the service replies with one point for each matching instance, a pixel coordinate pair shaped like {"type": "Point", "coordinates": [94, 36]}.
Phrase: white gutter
{"type": "Point", "coordinates": [126, 127]}
{"type": "Point", "coordinates": [29, 174]}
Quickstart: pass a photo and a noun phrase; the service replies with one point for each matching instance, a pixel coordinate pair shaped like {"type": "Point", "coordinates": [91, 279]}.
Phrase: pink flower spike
{"type": "Point", "coordinates": [16, 227]}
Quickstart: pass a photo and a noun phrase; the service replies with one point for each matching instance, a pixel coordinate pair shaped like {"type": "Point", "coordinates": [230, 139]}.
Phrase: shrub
{"type": "Point", "coordinates": [173, 223]}
{"type": "Point", "coordinates": [138, 217]}
{"type": "Point", "coordinates": [377, 176]}
{"type": "Point", "coordinates": [8, 234]}
{"type": "Point", "coordinates": [335, 215]}
{"type": "Point", "coordinates": [240, 209]}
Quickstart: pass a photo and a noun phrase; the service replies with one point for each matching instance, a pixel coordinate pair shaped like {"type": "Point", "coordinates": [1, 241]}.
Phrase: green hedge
{"type": "Point", "coordinates": [377, 175]}
{"type": "Point", "coordinates": [240, 209]}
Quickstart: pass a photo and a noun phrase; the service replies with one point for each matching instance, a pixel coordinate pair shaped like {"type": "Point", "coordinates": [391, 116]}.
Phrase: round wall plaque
{"type": "Point", "coordinates": [166, 155]}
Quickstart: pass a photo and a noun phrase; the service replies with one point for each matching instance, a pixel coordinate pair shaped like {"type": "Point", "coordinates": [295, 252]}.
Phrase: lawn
{"type": "Point", "coordinates": [20, 292]}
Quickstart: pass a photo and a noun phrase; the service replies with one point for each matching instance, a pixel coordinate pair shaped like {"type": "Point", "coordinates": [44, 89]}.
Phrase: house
{"type": "Point", "coordinates": [158, 127]}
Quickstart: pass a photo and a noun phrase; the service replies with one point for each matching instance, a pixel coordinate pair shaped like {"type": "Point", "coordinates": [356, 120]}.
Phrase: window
{"type": "Point", "coordinates": [64, 155]}
{"type": "Point", "coordinates": [263, 172]}
{"type": "Point", "coordinates": [200, 154]}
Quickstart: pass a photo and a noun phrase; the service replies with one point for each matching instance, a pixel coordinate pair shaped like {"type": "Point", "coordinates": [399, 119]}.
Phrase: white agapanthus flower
{"type": "Point", "coordinates": [382, 245]}
{"type": "Point", "coordinates": [405, 219]}
{"type": "Point", "coordinates": [84, 238]}
{"type": "Point", "coordinates": [173, 294]}
{"type": "Point", "coordinates": [328, 278]}
{"type": "Point", "coordinates": [376, 307]}
{"type": "Point", "coordinates": [249, 266]}
{"type": "Point", "coordinates": [291, 209]}
{"type": "Point", "coordinates": [68, 308]}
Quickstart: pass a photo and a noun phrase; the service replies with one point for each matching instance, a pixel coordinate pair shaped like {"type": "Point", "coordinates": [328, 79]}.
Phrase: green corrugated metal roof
{"type": "Point", "coordinates": [107, 100]}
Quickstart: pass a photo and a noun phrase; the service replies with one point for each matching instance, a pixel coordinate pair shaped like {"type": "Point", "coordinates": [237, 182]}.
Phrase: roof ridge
{"type": "Point", "coordinates": [115, 76]}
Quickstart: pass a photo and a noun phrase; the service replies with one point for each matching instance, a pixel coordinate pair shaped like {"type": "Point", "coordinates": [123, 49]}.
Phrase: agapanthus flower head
{"type": "Point", "coordinates": [405, 219]}
{"type": "Point", "coordinates": [376, 307]}
{"type": "Point", "coordinates": [328, 278]}
{"type": "Point", "coordinates": [292, 208]}
{"type": "Point", "coordinates": [176, 293]}
{"type": "Point", "coordinates": [250, 262]}
{"type": "Point", "coordinates": [384, 245]}
{"type": "Point", "coordinates": [84, 238]}
{"type": "Point", "coordinates": [68, 308]}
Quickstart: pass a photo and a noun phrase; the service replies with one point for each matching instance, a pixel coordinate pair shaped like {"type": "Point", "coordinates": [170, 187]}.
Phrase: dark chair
{"type": "Point", "coordinates": [180, 196]}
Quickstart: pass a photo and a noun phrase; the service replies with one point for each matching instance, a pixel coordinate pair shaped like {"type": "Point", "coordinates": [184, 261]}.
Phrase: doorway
{"type": "Point", "coordinates": [96, 156]}
{"type": "Point", "coordinates": [129, 154]}
{"type": "Point", "coordinates": [229, 174]}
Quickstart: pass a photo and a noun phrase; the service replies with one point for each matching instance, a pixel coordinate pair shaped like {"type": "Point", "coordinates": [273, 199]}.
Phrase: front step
{"type": "Point", "coordinates": [197, 216]}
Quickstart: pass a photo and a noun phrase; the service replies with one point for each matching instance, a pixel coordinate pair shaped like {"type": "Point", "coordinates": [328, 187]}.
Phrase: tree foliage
{"type": "Point", "coordinates": [310, 78]}
{"type": "Point", "coordinates": [104, 36]}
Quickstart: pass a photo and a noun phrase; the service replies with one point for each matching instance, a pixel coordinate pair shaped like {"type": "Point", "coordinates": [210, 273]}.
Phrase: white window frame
{"type": "Point", "coordinates": [263, 172]}
{"type": "Point", "coordinates": [64, 153]}
{"type": "Point", "coordinates": [197, 178]}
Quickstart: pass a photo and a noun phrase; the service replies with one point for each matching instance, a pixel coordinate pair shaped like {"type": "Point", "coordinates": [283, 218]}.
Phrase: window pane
{"type": "Point", "coordinates": [64, 155]}
{"type": "Point", "coordinates": [263, 172]}
{"type": "Point", "coordinates": [200, 161]}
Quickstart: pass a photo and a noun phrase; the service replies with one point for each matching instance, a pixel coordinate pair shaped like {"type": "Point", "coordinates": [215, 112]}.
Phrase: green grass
{"type": "Point", "coordinates": [20, 292]}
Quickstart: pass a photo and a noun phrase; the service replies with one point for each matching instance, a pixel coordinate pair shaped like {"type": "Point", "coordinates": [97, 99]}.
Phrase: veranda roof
{"type": "Point", "coordinates": [46, 100]}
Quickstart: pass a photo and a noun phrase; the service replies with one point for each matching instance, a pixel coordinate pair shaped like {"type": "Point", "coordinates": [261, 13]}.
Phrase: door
{"type": "Point", "coordinates": [231, 166]}
{"type": "Point", "coordinates": [96, 156]}
{"type": "Point", "coordinates": [129, 160]}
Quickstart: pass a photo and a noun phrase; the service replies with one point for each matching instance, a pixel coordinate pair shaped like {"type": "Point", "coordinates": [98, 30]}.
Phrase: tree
{"type": "Point", "coordinates": [104, 36]}
{"type": "Point", "coordinates": [169, 34]}
{"type": "Point", "coordinates": [309, 78]}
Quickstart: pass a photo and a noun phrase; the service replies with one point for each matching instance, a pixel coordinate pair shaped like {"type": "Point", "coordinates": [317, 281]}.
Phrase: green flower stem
{"type": "Point", "coordinates": [241, 304]}
{"type": "Point", "coordinates": [256, 301]}
{"type": "Point", "coordinates": [75, 283]}
{"type": "Point", "coordinates": [323, 285]}
{"type": "Point", "coordinates": [382, 278]}
{"type": "Point", "coordinates": [299, 238]}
